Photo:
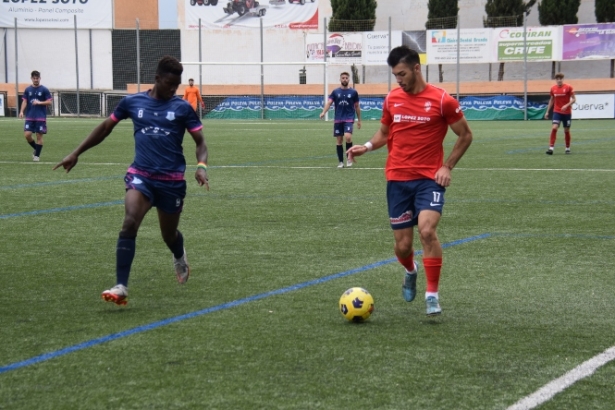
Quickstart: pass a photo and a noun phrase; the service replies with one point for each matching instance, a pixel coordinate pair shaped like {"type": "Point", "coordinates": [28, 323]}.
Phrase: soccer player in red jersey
{"type": "Point", "coordinates": [562, 98]}
{"type": "Point", "coordinates": [415, 119]}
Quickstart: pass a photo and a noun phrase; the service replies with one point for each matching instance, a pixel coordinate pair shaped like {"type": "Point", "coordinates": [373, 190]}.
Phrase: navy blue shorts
{"type": "Point", "coordinates": [406, 199]}
{"type": "Point", "coordinates": [39, 127]}
{"type": "Point", "coordinates": [167, 196]}
{"type": "Point", "coordinates": [564, 119]}
{"type": "Point", "coordinates": [341, 128]}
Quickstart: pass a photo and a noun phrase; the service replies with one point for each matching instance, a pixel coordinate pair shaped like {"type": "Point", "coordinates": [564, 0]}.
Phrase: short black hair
{"type": "Point", "coordinates": [169, 65]}
{"type": "Point", "coordinates": [191, 79]}
{"type": "Point", "coordinates": [35, 73]}
{"type": "Point", "coordinates": [345, 73]}
{"type": "Point", "coordinates": [403, 54]}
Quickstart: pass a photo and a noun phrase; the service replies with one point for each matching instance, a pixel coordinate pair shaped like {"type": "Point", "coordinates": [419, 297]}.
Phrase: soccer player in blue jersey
{"type": "Point", "coordinates": [346, 100]}
{"type": "Point", "coordinates": [156, 176]}
{"type": "Point", "coordinates": [35, 100]}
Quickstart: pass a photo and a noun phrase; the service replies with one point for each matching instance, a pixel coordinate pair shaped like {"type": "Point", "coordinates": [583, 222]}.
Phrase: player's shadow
{"type": "Point", "coordinates": [432, 321]}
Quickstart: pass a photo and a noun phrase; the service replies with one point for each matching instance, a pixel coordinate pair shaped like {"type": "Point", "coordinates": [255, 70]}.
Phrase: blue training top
{"type": "Point", "coordinates": [344, 100]}
{"type": "Point", "coordinates": [36, 112]}
{"type": "Point", "coordinates": [159, 127]}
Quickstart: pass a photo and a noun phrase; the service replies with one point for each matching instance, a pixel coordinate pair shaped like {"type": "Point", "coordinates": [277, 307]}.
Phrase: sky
{"type": "Point", "coordinates": [167, 12]}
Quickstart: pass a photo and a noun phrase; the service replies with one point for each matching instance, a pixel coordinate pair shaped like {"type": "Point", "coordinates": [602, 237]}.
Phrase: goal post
{"type": "Point", "coordinates": [260, 90]}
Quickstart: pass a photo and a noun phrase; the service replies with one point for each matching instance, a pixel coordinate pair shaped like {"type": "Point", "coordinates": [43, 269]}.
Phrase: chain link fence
{"type": "Point", "coordinates": [90, 70]}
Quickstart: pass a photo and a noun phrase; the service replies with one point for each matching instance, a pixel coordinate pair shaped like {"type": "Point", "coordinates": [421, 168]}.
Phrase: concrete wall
{"type": "Point", "coordinates": [127, 11]}
{"type": "Point", "coordinates": [57, 60]}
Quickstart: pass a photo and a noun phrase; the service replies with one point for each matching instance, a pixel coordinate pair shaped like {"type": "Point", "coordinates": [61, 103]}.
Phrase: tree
{"type": "Point", "coordinates": [605, 13]}
{"type": "Point", "coordinates": [353, 15]}
{"type": "Point", "coordinates": [442, 14]}
{"type": "Point", "coordinates": [505, 13]}
{"type": "Point", "coordinates": [558, 13]}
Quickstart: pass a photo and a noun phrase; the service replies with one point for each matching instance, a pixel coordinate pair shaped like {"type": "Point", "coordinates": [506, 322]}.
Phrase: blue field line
{"type": "Point", "coordinates": [228, 305]}
{"type": "Point", "coordinates": [51, 183]}
{"type": "Point", "coordinates": [62, 209]}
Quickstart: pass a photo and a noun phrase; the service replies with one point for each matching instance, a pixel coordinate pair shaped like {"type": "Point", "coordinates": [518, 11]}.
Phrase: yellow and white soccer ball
{"type": "Point", "coordinates": [356, 304]}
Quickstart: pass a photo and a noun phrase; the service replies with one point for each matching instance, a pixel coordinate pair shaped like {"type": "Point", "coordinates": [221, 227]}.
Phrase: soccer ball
{"type": "Point", "coordinates": [356, 304]}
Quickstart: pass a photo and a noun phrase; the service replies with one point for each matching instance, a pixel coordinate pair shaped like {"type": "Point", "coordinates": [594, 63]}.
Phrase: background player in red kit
{"type": "Point", "coordinates": [562, 98]}
{"type": "Point", "coordinates": [415, 119]}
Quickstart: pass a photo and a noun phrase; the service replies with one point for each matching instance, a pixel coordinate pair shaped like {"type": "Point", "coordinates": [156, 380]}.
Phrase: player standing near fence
{"type": "Point", "coordinates": [193, 95]}
{"type": "Point", "coordinates": [156, 176]}
{"type": "Point", "coordinates": [562, 98]}
{"type": "Point", "coordinates": [35, 100]}
{"type": "Point", "coordinates": [415, 119]}
{"type": "Point", "coordinates": [346, 100]}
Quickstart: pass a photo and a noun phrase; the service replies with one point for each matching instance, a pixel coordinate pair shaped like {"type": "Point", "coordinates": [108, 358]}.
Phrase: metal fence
{"type": "Point", "coordinates": [90, 70]}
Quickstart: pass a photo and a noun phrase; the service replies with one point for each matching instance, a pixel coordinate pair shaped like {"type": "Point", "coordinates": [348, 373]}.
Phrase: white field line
{"type": "Point", "coordinates": [558, 385]}
{"type": "Point", "coordinates": [81, 164]}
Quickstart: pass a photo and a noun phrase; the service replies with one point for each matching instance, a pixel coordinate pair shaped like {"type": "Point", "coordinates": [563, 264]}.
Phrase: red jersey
{"type": "Point", "coordinates": [561, 96]}
{"type": "Point", "coordinates": [417, 125]}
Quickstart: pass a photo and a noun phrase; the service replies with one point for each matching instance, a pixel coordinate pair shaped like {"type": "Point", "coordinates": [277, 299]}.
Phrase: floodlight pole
{"type": "Point", "coordinates": [325, 68]}
{"type": "Point", "coordinates": [200, 69]}
{"type": "Point", "coordinates": [77, 65]}
{"type": "Point", "coordinates": [388, 68]}
{"type": "Point", "coordinates": [458, 52]}
{"type": "Point", "coordinates": [138, 60]}
{"type": "Point", "coordinates": [260, 19]}
{"type": "Point", "coordinates": [16, 73]}
{"type": "Point", "coordinates": [6, 58]}
{"type": "Point", "coordinates": [91, 61]}
{"type": "Point", "coordinates": [525, 66]}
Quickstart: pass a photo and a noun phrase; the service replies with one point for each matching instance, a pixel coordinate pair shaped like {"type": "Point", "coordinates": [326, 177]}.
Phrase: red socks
{"type": "Point", "coordinates": [552, 138]}
{"type": "Point", "coordinates": [433, 267]}
{"type": "Point", "coordinates": [407, 262]}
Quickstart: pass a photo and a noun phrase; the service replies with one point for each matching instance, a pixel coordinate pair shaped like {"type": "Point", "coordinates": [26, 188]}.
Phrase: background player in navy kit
{"type": "Point", "coordinates": [156, 176]}
{"type": "Point", "coordinates": [36, 98]}
{"type": "Point", "coordinates": [346, 102]}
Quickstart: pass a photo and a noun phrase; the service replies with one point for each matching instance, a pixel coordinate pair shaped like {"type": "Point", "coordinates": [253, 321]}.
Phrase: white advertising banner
{"type": "Point", "coordinates": [474, 46]}
{"type": "Point", "coordinates": [342, 48]}
{"type": "Point", "coordinates": [95, 14]}
{"type": "Point", "coordinates": [1, 105]}
{"type": "Point", "coordinates": [376, 46]}
{"type": "Point", "coordinates": [282, 14]}
{"type": "Point", "coordinates": [594, 106]}
{"type": "Point", "coordinates": [314, 47]}
{"type": "Point", "coordinates": [542, 44]}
